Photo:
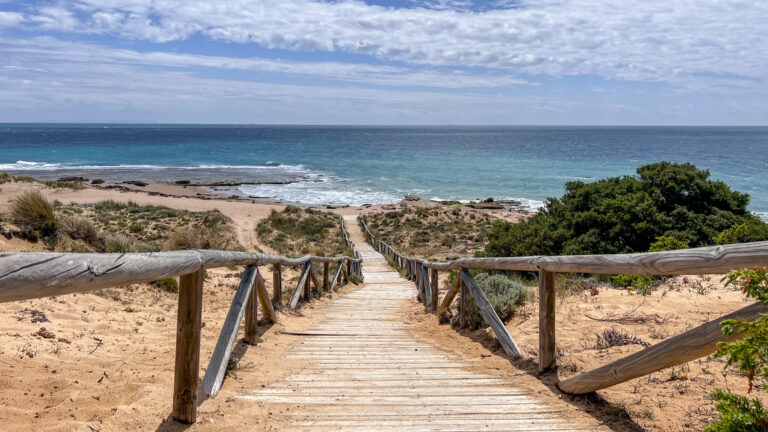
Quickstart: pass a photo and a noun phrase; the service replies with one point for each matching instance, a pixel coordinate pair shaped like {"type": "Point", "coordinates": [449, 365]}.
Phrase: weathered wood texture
{"type": "Point", "coordinates": [546, 321]}
{"type": "Point", "coordinates": [299, 287]}
{"type": "Point", "coordinates": [189, 318]}
{"type": "Point", "coordinates": [326, 276]}
{"type": "Point", "coordinates": [277, 284]}
{"type": "Point", "coordinates": [509, 345]}
{"type": "Point", "coordinates": [335, 279]}
{"type": "Point", "coordinates": [449, 296]}
{"type": "Point", "coordinates": [25, 275]}
{"type": "Point", "coordinates": [685, 347]}
{"type": "Point", "coordinates": [217, 367]}
{"type": "Point", "coordinates": [315, 279]}
{"type": "Point", "coordinates": [252, 318]}
{"type": "Point", "coordinates": [705, 260]}
{"type": "Point", "coordinates": [433, 285]}
{"type": "Point", "coordinates": [263, 295]}
{"type": "Point", "coordinates": [364, 371]}
{"type": "Point", "coordinates": [462, 302]}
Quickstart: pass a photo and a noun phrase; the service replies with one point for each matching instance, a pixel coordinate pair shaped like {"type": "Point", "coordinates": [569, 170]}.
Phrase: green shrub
{"type": "Point", "coordinates": [749, 354]}
{"type": "Point", "coordinates": [136, 228]}
{"type": "Point", "coordinates": [31, 212]}
{"type": "Point", "coordinates": [741, 233]}
{"type": "Point", "coordinates": [627, 214]}
{"type": "Point", "coordinates": [667, 243]}
{"type": "Point", "coordinates": [504, 294]}
{"type": "Point", "coordinates": [643, 284]}
{"type": "Point", "coordinates": [168, 285]}
{"type": "Point", "coordinates": [112, 206]}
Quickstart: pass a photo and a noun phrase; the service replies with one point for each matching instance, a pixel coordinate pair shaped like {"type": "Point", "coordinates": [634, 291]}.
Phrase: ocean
{"type": "Point", "coordinates": [355, 165]}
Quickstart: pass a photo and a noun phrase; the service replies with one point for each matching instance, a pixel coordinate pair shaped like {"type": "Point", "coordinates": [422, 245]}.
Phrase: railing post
{"type": "Point", "coordinates": [308, 284]}
{"type": "Point", "coordinates": [546, 321]}
{"type": "Point", "coordinates": [433, 287]}
{"type": "Point", "coordinates": [252, 317]}
{"type": "Point", "coordinates": [349, 269]}
{"type": "Point", "coordinates": [277, 284]}
{"type": "Point", "coordinates": [462, 301]}
{"type": "Point", "coordinates": [326, 276]}
{"type": "Point", "coordinates": [188, 323]}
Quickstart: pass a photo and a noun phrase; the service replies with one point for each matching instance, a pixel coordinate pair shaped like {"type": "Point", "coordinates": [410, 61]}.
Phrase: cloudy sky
{"type": "Point", "coordinates": [657, 62]}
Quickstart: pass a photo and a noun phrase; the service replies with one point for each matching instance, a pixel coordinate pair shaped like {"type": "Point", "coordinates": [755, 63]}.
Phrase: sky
{"type": "Point", "coordinates": [498, 62]}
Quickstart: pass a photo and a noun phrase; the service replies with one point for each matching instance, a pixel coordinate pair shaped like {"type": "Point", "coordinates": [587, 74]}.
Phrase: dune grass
{"type": "Point", "coordinates": [296, 231]}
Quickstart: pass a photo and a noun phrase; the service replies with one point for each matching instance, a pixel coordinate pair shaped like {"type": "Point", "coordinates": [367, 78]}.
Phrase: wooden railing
{"type": "Point", "coordinates": [26, 275]}
{"type": "Point", "coordinates": [693, 344]}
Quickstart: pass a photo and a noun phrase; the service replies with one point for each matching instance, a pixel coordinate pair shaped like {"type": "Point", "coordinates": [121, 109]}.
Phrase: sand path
{"type": "Point", "coordinates": [366, 372]}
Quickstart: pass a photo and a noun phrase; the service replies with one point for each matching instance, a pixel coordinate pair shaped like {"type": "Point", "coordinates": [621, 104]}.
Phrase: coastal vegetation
{"type": "Point", "coordinates": [506, 294]}
{"type": "Point", "coordinates": [749, 354]}
{"type": "Point", "coordinates": [111, 226]}
{"type": "Point", "coordinates": [664, 202]}
{"type": "Point", "coordinates": [433, 231]}
{"type": "Point", "coordinates": [298, 231]}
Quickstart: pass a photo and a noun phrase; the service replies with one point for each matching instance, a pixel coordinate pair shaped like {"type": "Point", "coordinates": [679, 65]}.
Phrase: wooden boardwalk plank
{"type": "Point", "coordinates": [366, 372]}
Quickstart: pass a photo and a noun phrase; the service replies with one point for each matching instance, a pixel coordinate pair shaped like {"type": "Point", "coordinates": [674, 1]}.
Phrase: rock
{"type": "Point", "coordinates": [64, 340]}
{"type": "Point", "coordinates": [412, 198]}
{"type": "Point", "coordinates": [135, 183]}
{"type": "Point", "coordinates": [45, 334]}
{"type": "Point", "coordinates": [97, 181]}
{"type": "Point", "coordinates": [182, 182]}
{"type": "Point", "coordinates": [73, 179]}
{"type": "Point", "coordinates": [488, 200]}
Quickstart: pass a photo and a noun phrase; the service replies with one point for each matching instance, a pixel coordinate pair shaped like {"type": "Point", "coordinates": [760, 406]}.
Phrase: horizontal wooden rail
{"type": "Point", "coordinates": [704, 260]}
{"type": "Point", "coordinates": [26, 275]}
{"type": "Point", "coordinates": [685, 347]}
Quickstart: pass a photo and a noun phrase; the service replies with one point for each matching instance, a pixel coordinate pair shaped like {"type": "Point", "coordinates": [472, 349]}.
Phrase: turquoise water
{"type": "Point", "coordinates": [358, 165]}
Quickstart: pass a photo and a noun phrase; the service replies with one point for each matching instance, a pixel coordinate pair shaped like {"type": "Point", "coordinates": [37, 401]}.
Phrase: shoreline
{"type": "Point", "coordinates": [244, 212]}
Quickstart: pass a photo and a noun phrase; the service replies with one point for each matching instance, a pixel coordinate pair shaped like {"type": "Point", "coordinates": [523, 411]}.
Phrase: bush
{"type": "Point", "coordinates": [627, 214]}
{"type": "Point", "coordinates": [79, 228]}
{"type": "Point", "coordinates": [119, 243]}
{"type": "Point", "coordinates": [741, 233]}
{"type": "Point", "coordinates": [504, 294]}
{"type": "Point", "coordinates": [643, 284]}
{"type": "Point", "coordinates": [667, 243]}
{"type": "Point", "coordinates": [168, 285]}
{"type": "Point", "coordinates": [749, 354]}
{"type": "Point", "coordinates": [31, 212]}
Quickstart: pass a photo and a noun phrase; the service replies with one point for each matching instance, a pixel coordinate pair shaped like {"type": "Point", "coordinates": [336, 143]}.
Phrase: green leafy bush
{"type": "Point", "coordinates": [505, 295]}
{"type": "Point", "coordinates": [667, 243]}
{"type": "Point", "coordinates": [749, 354]}
{"type": "Point", "coordinates": [627, 214]}
{"type": "Point", "coordinates": [643, 284]}
{"type": "Point", "coordinates": [168, 285]}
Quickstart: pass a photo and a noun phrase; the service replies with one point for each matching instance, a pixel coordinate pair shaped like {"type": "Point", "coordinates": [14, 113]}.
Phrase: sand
{"type": "Point", "coordinates": [109, 364]}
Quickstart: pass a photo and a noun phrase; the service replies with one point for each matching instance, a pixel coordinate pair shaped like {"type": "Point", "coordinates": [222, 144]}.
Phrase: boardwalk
{"type": "Point", "coordinates": [366, 372]}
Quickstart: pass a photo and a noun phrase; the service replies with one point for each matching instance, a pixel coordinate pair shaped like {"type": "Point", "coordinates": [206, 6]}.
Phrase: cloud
{"type": "Point", "coordinates": [45, 50]}
{"type": "Point", "coordinates": [8, 19]}
{"type": "Point", "coordinates": [654, 40]}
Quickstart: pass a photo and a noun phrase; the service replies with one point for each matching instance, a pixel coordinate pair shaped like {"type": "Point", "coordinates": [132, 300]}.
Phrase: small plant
{"type": "Point", "coordinates": [32, 213]}
{"type": "Point", "coordinates": [641, 284]}
{"type": "Point", "coordinates": [505, 295]}
{"type": "Point", "coordinates": [613, 337]}
{"type": "Point", "coordinates": [749, 354]}
{"type": "Point", "coordinates": [79, 228]}
{"type": "Point", "coordinates": [168, 285]}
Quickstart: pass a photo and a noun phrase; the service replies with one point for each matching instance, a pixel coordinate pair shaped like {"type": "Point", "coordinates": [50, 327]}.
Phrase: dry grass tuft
{"type": "Point", "coordinates": [32, 213]}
